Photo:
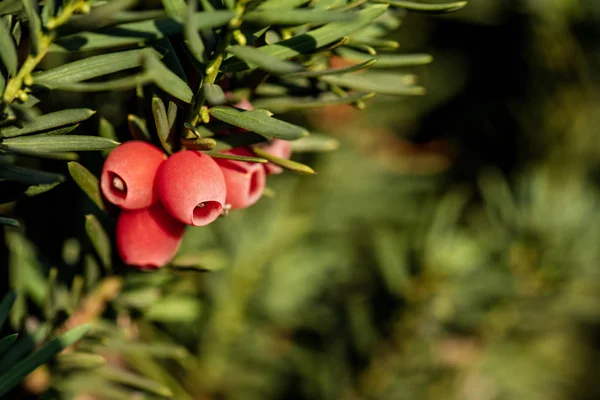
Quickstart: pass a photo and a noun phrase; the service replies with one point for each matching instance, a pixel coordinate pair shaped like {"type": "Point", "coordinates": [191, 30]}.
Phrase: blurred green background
{"type": "Point", "coordinates": [448, 249]}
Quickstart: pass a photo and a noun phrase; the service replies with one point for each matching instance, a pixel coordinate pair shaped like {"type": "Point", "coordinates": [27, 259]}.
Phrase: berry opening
{"type": "Point", "coordinates": [254, 184]}
{"type": "Point", "coordinates": [206, 212]}
{"type": "Point", "coordinates": [118, 187]}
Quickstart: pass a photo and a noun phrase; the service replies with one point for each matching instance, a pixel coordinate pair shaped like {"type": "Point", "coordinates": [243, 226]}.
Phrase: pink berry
{"type": "Point", "coordinates": [278, 148]}
{"type": "Point", "coordinates": [191, 187]}
{"type": "Point", "coordinates": [245, 180]}
{"type": "Point", "coordinates": [148, 238]}
{"type": "Point", "coordinates": [128, 175]}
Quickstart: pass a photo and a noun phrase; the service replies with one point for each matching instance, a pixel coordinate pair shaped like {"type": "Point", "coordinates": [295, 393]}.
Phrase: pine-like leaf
{"type": "Point", "coordinates": [48, 121]}
{"type": "Point", "coordinates": [258, 122]}
{"type": "Point", "coordinates": [312, 40]}
{"type": "Point", "coordinates": [91, 67]}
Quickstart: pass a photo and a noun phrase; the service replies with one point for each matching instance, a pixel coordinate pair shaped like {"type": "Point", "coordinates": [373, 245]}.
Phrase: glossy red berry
{"type": "Point", "coordinates": [148, 238]}
{"type": "Point", "coordinates": [191, 187]}
{"type": "Point", "coordinates": [245, 180]}
{"type": "Point", "coordinates": [128, 175]}
{"type": "Point", "coordinates": [278, 148]}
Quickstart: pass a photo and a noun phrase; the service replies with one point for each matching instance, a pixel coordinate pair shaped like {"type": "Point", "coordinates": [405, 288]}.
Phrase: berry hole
{"type": "Point", "coordinates": [206, 212]}
{"type": "Point", "coordinates": [255, 187]}
{"type": "Point", "coordinates": [118, 185]}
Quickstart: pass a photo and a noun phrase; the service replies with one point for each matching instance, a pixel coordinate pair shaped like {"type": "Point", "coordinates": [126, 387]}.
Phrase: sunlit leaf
{"type": "Point", "coordinates": [308, 42]}
{"type": "Point", "coordinates": [284, 163]}
{"type": "Point", "coordinates": [48, 121]}
{"type": "Point", "coordinates": [91, 67]}
{"type": "Point", "coordinates": [264, 61]}
{"type": "Point", "coordinates": [57, 144]}
{"type": "Point", "coordinates": [284, 104]}
{"type": "Point", "coordinates": [258, 122]}
{"type": "Point", "coordinates": [137, 32]}
{"type": "Point", "coordinates": [388, 60]}
{"type": "Point", "coordinates": [336, 71]}
{"type": "Point", "coordinates": [382, 83]}
{"type": "Point", "coordinates": [237, 158]}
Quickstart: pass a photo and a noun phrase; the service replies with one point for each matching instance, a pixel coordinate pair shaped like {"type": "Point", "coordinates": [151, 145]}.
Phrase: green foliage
{"type": "Point", "coordinates": [82, 46]}
{"type": "Point", "coordinates": [398, 271]}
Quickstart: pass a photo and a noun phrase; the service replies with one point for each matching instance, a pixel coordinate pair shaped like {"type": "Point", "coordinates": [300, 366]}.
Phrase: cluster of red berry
{"type": "Point", "coordinates": [160, 195]}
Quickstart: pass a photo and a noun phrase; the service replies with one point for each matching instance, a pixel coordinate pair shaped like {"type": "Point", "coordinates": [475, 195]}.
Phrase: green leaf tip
{"type": "Point", "coordinates": [58, 144]}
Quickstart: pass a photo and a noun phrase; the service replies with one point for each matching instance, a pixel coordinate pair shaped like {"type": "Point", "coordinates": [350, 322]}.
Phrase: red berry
{"type": "Point", "coordinates": [278, 148]}
{"type": "Point", "coordinates": [148, 238]}
{"type": "Point", "coordinates": [192, 188]}
{"type": "Point", "coordinates": [245, 180]}
{"type": "Point", "coordinates": [128, 175]}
